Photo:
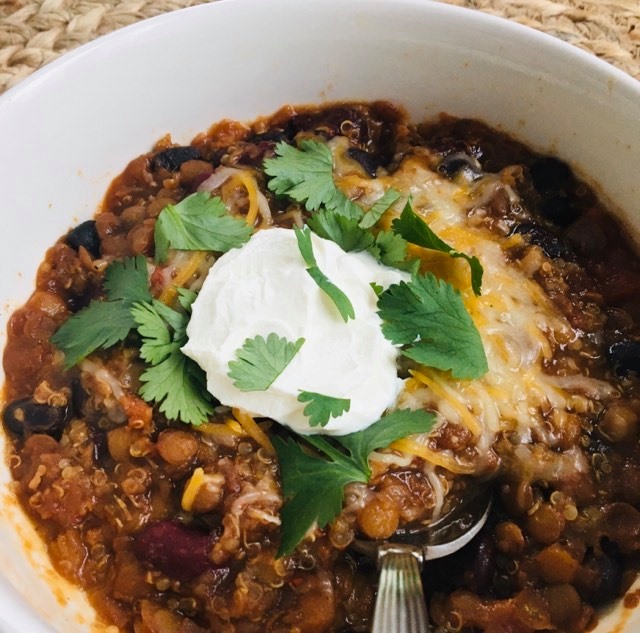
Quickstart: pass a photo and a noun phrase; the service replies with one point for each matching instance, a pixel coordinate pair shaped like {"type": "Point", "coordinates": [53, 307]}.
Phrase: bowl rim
{"type": "Point", "coordinates": [51, 72]}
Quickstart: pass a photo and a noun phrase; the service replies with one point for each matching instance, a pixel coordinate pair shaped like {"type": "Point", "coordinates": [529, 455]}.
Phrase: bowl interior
{"type": "Point", "coordinates": [69, 129]}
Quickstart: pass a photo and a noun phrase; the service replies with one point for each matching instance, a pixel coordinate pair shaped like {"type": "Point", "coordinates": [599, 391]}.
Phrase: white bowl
{"type": "Point", "coordinates": [70, 128]}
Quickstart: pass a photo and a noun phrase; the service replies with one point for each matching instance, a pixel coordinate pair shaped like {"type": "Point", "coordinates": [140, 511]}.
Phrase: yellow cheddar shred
{"type": "Point", "coordinates": [183, 274]}
{"type": "Point", "coordinates": [443, 392]}
{"type": "Point", "coordinates": [212, 428]}
{"type": "Point", "coordinates": [443, 459]}
{"type": "Point", "coordinates": [249, 183]}
{"type": "Point", "coordinates": [252, 429]}
{"type": "Point", "coordinates": [191, 489]}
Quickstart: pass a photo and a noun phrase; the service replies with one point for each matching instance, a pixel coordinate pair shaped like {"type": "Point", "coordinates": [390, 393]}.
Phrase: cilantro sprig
{"type": "Point", "coordinates": [322, 407]}
{"type": "Point", "coordinates": [388, 199]}
{"type": "Point", "coordinates": [171, 379]}
{"type": "Point", "coordinates": [198, 223]}
{"type": "Point", "coordinates": [340, 300]}
{"type": "Point", "coordinates": [428, 317]}
{"type": "Point", "coordinates": [260, 361]}
{"type": "Point", "coordinates": [104, 323]}
{"type": "Point", "coordinates": [305, 174]}
{"type": "Point", "coordinates": [313, 484]}
{"type": "Point", "coordinates": [415, 230]}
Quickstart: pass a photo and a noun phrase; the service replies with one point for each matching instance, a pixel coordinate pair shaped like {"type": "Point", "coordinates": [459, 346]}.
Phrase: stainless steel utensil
{"type": "Point", "coordinates": [400, 605]}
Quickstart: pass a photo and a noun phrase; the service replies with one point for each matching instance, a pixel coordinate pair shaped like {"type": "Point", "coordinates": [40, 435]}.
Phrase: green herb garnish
{"type": "Point", "coordinates": [345, 232]}
{"type": "Point", "coordinates": [313, 485]}
{"type": "Point", "coordinates": [172, 380]}
{"type": "Point", "coordinates": [341, 301]}
{"type": "Point", "coordinates": [260, 361]}
{"type": "Point", "coordinates": [389, 198]}
{"type": "Point", "coordinates": [198, 223]}
{"type": "Point", "coordinates": [305, 174]}
{"type": "Point", "coordinates": [415, 230]}
{"type": "Point", "coordinates": [428, 316]}
{"type": "Point", "coordinates": [321, 407]}
{"type": "Point", "coordinates": [104, 323]}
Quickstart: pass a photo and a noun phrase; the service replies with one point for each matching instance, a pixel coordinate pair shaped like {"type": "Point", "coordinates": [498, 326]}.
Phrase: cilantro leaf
{"type": "Point", "coordinates": [198, 223]}
{"type": "Point", "coordinates": [104, 323]}
{"type": "Point", "coordinates": [306, 175]}
{"type": "Point", "coordinates": [313, 489]}
{"type": "Point", "coordinates": [415, 230]}
{"type": "Point", "coordinates": [341, 301]}
{"type": "Point", "coordinates": [100, 325]}
{"type": "Point", "coordinates": [390, 197]}
{"type": "Point", "coordinates": [384, 432]}
{"type": "Point", "coordinates": [313, 486]}
{"type": "Point", "coordinates": [172, 380]}
{"type": "Point", "coordinates": [186, 298]}
{"type": "Point", "coordinates": [128, 280]}
{"type": "Point", "coordinates": [178, 384]}
{"type": "Point", "coordinates": [259, 361]}
{"type": "Point", "coordinates": [345, 232]}
{"type": "Point", "coordinates": [377, 288]}
{"type": "Point", "coordinates": [390, 248]}
{"type": "Point", "coordinates": [322, 407]}
{"type": "Point", "coordinates": [429, 315]}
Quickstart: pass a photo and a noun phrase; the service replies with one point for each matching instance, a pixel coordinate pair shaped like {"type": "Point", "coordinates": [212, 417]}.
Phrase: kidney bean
{"type": "Point", "coordinates": [176, 550]}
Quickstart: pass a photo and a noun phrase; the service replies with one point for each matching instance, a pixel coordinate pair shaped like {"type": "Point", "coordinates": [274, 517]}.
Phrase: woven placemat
{"type": "Point", "coordinates": [34, 33]}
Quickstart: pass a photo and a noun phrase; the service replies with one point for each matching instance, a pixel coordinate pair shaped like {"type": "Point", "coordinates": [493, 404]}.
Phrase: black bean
{"type": "Point", "coordinates": [100, 444]}
{"type": "Point", "coordinates": [624, 356]}
{"type": "Point", "coordinates": [558, 210]}
{"type": "Point", "coordinates": [456, 162]}
{"type": "Point", "coordinates": [484, 564]}
{"type": "Point", "coordinates": [86, 235]}
{"type": "Point", "coordinates": [176, 550]}
{"type": "Point", "coordinates": [550, 243]}
{"type": "Point", "coordinates": [549, 174]}
{"type": "Point", "coordinates": [367, 161]}
{"type": "Point", "coordinates": [25, 416]}
{"type": "Point", "coordinates": [173, 157]}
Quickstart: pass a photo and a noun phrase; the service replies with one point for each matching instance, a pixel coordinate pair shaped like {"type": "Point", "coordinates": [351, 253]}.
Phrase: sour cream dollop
{"type": "Point", "coordinates": [263, 287]}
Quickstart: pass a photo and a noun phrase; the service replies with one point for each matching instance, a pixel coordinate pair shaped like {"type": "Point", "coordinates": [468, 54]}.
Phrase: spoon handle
{"type": "Point", "coordinates": [400, 606]}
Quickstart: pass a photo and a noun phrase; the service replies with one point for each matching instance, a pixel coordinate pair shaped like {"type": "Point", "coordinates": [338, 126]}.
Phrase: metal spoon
{"type": "Point", "coordinates": [400, 605]}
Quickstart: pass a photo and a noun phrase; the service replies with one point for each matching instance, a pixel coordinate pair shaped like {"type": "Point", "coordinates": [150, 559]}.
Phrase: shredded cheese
{"type": "Point", "coordinates": [191, 489]}
{"type": "Point", "coordinates": [442, 458]}
{"type": "Point", "coordinates": [520, 326]}
{"type": "Point", "coordinates": [252, 429]}
{"type": "Point", "coordinates": [246, 180]}
{"type": "Point", "coordinates": [183, 275]}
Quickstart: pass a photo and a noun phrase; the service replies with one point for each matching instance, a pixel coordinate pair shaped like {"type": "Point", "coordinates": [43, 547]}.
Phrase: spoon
{"type": "Point", "coordinates": [400, 605]}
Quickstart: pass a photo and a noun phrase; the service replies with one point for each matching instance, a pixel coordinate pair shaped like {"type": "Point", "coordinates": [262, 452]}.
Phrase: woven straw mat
{"type": "Point", "coordinates": [33, 33]}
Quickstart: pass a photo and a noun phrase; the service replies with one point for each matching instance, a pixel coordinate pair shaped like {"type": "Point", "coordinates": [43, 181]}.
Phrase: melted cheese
{"type": "Point", "coordinates": [518, 323]}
